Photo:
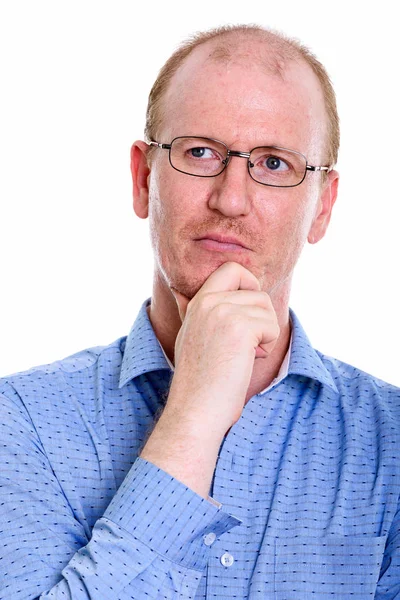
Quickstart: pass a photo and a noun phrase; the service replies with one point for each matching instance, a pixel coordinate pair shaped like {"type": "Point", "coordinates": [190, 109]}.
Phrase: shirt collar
{"type": "Point", "coordinates": [304, 360]}
{"type": "Point", "coordinates": [143, 352]}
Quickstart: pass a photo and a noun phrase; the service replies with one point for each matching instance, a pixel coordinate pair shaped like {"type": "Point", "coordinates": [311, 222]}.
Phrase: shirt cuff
{"type": "Point", "coordinates": [167, 516]}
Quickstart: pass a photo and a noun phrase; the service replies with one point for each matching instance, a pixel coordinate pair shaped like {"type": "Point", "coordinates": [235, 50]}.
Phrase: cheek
{"type": "Point", "coordinates": [174, 199]}
{"type": "Point", "coordinates": [158, 215]}
{"type": "Point", "coordinates": [159, 191]}
{"type": "Point", "coordinates": [165, 213]}
{"type": "Point", "coordinates": [293, 222]}
{"type": "Point", "coordinates": [305, 204]}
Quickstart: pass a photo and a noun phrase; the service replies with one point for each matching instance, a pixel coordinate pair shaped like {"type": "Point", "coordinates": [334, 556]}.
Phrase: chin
{"type": "Point", "coordinates": [188, 281]}
{"type": "Point", "coordinates": [188, 285]}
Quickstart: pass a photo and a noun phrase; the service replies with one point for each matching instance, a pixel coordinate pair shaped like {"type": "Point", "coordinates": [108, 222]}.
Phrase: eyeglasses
{"type": "Point", "coordinates": [268, 165]}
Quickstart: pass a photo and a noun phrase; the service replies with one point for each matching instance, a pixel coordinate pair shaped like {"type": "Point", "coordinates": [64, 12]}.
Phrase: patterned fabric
{"type": "Point", "coordinates": [308, 479]}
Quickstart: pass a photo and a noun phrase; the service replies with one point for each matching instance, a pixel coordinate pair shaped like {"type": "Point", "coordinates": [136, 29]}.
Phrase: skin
{"type": "Point", "coordinates": [244, 105]}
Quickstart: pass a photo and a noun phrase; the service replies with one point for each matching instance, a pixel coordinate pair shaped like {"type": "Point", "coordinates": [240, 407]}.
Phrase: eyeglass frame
{"type": "Point", "coordinates": [240, 154]}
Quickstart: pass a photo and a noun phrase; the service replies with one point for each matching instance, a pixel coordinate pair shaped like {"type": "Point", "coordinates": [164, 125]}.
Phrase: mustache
{"type": "Point", "coordinates": [236, 229]}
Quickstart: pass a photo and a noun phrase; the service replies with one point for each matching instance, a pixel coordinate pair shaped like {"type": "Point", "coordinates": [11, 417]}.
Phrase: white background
{"type": "Point", "coordinates": [76, 263]}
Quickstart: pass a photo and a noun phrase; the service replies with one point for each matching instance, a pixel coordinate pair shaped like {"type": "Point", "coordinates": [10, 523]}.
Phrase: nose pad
{"type": "Point", "coordinates": [226, 161]}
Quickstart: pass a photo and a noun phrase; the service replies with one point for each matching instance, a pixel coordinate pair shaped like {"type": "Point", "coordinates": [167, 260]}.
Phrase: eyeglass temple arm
{"type": "Point", "coordinates": [164, 146]}
{"type": "Point", "coordinates": [311, 168]}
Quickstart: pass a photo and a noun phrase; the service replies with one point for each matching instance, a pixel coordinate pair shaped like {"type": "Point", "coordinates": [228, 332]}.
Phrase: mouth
{"type": "Point", "coordinates": [221, 243]}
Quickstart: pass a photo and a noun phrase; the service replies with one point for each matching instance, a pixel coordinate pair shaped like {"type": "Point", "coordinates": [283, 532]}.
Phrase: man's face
{"type": "Point", "coordinates": [244, 106]}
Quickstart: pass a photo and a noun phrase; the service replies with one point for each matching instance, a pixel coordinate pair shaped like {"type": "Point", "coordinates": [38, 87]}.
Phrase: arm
{"type": "Point", "coordinates": [149, 539]}
{"type": "Point", "coordinates": [227, 324]}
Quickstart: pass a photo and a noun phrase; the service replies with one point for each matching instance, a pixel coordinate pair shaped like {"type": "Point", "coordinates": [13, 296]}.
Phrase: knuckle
{"type": "Point", "coordinates": [206, 301]}
{"type": "Point", "coordinates": [228, 319]}
{"type": "Point", "coordinates": [233, 267]}
{"type": "Point", "coordinates": [239, 326]}
{"type": "Point", "coordinates": [230, 264]}
{"type": "Point", "coordinates": [220, 311]}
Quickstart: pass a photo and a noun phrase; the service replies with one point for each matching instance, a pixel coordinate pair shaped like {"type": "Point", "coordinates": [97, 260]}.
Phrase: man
{"type": "Point", "coordinates": [212, 453]}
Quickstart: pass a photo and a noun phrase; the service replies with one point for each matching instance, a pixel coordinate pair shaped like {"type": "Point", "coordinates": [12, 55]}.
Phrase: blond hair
{"type": "Point", "coordinates": [283, 49]}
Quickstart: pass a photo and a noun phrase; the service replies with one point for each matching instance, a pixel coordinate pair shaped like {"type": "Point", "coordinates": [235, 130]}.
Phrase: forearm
{"type": "Point", "coordinates": [185, 443]}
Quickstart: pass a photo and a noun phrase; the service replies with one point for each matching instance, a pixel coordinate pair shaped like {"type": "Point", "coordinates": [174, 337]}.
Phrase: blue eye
{"type": "Point", "coordinates": [274, 163]}
{"type": "Point", "coordinates": [201, 152]}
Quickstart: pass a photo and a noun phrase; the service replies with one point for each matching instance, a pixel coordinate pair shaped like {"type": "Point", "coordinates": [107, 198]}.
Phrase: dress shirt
{"type": "Point", "coordinates": [308, 480]}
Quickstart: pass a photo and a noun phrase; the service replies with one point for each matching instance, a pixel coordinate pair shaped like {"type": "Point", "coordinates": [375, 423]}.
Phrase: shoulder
{"type": "Point", "coordinates": [64, 377]}
{"type": "Point", "coordinates": [361, 389]}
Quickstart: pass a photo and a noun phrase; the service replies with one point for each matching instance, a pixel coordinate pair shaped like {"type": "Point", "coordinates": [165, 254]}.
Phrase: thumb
{"type": "Point", "coordinates": [181, 301]}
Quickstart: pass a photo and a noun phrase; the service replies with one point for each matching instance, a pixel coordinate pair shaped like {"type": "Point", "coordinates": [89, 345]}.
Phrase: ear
{"type": "Point", "coordinates": [140, 174]}
{"type": "Point", "coordinates": [324, 208]}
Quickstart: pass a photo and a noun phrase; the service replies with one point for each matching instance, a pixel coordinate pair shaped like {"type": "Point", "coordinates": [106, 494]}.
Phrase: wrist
{"type": "Point", "coordinates": [185, 448]}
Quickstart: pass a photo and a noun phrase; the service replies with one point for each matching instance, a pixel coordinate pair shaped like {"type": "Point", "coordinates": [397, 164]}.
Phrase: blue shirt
{"type": "Point", "coordinates": [308, 480]}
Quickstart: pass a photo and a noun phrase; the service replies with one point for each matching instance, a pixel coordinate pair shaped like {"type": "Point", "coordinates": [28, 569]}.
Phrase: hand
{"type": "Point", "coordinates": [228, 324]}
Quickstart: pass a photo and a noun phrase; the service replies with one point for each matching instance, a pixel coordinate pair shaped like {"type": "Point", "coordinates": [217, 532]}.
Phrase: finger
{"type": "Point", "coordinates": [246, 298]}
{"type": "Point", "coordinates": [231, 276]}
{"type": "Point", "coordinates": [266, 331]}
{"type": "Point", "coordinates": [260, 324]}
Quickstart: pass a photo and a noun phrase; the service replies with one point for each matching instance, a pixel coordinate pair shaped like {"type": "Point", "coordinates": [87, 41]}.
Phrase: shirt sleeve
{"type": "Point", "coordinates": [388, 587]}
{"type": "Point", "coordinates": [148, 544]}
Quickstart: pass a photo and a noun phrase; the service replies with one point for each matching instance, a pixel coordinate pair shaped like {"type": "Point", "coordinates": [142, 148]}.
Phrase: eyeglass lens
{"type": "Point", "coordinates": [207, 158]}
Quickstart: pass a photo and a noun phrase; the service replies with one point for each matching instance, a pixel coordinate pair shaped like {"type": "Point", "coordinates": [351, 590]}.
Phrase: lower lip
{"type": "Point", "coordinates": [208, 244]}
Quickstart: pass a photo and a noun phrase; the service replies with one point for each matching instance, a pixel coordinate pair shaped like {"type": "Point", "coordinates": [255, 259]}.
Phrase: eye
{"type": "Point", "coordinates": [201, 152]}
{"type": "Point", "coordinates": [274, 163]}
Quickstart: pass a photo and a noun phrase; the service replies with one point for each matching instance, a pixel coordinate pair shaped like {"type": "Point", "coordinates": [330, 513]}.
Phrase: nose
{"type": "Point", "coordinates": [231, 189]}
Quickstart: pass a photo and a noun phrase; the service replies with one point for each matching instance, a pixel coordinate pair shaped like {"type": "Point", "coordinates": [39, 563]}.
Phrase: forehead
{"type": "Point", "coordinates": [243, 100]}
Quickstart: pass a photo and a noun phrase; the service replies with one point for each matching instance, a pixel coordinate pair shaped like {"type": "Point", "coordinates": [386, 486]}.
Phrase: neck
{"type": "Point", "coordinates": [165, 320]}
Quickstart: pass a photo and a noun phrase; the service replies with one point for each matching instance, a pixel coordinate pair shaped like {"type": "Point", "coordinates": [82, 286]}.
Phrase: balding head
{"type": "Point", "coordinates": [269, 49]}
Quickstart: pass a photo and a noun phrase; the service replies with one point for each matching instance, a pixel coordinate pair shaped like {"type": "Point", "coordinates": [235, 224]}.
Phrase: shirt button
{"type": "Point", "coordinates": [209, 538]}
{"type": "Point", "coordinates": [227, 559]}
